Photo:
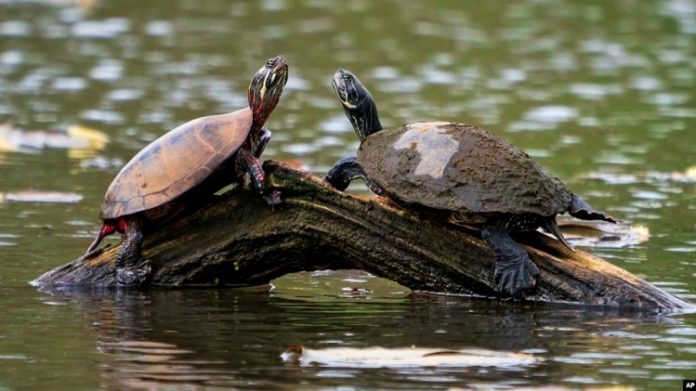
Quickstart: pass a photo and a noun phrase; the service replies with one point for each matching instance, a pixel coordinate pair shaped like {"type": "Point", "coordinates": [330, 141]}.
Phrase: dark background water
{"type": "Point", "coordinates": [601, 93]}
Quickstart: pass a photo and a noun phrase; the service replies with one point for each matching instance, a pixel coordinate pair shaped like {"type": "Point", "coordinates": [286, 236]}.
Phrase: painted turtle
{"type": "Point", "coordinates": [474, 176]}
{"type": "Point", "coordinates": [191, 161]}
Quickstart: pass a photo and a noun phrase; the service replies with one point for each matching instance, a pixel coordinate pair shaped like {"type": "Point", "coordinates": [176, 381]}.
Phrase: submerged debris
{"type": "Point", "coordinates": [56, 197]}
{"type": "Point", "coordinates": [379, 357]}
{"type": "Point", "coordinates": [592, 234]}
{"type": "Point", "coordinates": [80, 141]}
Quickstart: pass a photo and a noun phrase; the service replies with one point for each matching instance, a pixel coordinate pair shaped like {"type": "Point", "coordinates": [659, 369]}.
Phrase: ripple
{"type": "Point", "coordinates": [682, 331]}
{"type": "Point", "coordinates": [436, 76]}
{"type": "Point", "coordinates": [668, 99]}
{"type": "Point", "coordinates": [12, 58]}
{"type": "Point", "coordinates": [274, 5]}
{"type": "Point", "coordinates": [124, 94]}
{"type": "Point", "coordinates": [678, 340]}
{"type": "Point", "coordinates": [299, 149]}
{"type": "Point", "coordinates": [581, 380]}
{"type": "Point", "coordinates": [569, 139]}
{"type": "Point", "coordinates": [684, 12]}
{"type": "Point", "coordinates": [673, 365]}
{"type": "Point", "coordinates": [552, 114]}
{"type": "Point", "coordinates": [591, 91]}
{"type": "Point", "coordinates": [612, 178]}
{"type": "Point", "coordinates": [69, 84]}
{"type": "Point", "coordinates": [680, 249]}
{"type": "Point", "coordinates": [614, 157]}
{"type": "Point", "coordinates": [336, 124]}
{"type": "Point", "coordinates": [678, 112]}
{"type": "Point", "coordinates": [21, 357]}
{"type": "Point", "coordinates": [627, 334]}
{"type": "Point", "coordinates": [329, 141]}
{"type": "Point", "coordinates": [297, 83]}
{"type": "Point", "coordinates": [15, 28]}
{"type": "Point", "coordinates": [521, 126]}
{"type": "Point", "coordinates": [577, 360]}
{"type": "Point", "coordinates": [402, 85]}
{"type": "Point", "coordinates": [513, 75]}
{"type": "Point", "coordinates": [108, 70]}
{"type": "Point", "coordinates": [648, 195]}
{"type": "Point", "coordinates": [640, 373]}
{"type": "Point", "coordinates": [645, 83]}
{"type": "Point", "coordinates": [103, 116]}
{"type": "Point", "coordinates": [158, 28]}
{"type": "Point", "coordinates": [107, 28]}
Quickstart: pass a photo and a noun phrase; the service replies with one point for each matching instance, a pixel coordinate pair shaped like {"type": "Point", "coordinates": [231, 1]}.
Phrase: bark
{"type": "Point", "coordinates": [237, 240]}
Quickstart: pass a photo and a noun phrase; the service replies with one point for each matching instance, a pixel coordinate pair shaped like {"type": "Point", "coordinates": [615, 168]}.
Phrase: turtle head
{"type": "Point", "coordinates": [357, 103]}
{"type": "Point", "coordinates": [266, 87]}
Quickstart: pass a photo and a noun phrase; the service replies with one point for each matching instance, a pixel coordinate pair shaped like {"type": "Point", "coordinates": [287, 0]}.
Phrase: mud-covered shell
{"type": "Point", "coordinates": [176, 162]}
{"type": "Point", "coordinates": [458, 167]}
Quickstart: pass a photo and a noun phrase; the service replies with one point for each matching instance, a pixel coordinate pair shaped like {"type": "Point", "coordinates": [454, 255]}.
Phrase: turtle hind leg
{"type": "Point", "coordinates": [131, 269]}
{"type": "Point", "coordinates": [345, 171]}
{"type": "Point", "coordinates": [583, 211]}
{"type": "Point", "coordinates": [551, 226]}
{"type": "Point", "coordinates": [515, 274]}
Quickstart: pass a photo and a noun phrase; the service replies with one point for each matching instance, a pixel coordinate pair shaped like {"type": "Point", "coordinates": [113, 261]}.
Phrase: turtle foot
{"type": "Point", "coordinates": [516, 277]}
{"type": "Point", "coordinates": [272, 198]}
{"type": "Point", "coordinates": [134, 275]}
{"type": "Point", "coordinates": [582, 210]}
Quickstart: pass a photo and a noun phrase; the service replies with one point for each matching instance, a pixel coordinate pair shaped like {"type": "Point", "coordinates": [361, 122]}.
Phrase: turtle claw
{"type": "Point", "coordinates": [92, 253]}
{"type": "Point", "coordinates": [272, 198]}
{"type": "Point", "coordinates": [517, 277]}
{"type": "Point", "coordinates": [134, 275]}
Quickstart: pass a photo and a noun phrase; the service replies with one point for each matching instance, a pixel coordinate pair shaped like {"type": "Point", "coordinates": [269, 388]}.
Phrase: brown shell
{"type": "Point", "coordinates": [176, 162]}
{"type": "Point", "coordinates": [458, 167]}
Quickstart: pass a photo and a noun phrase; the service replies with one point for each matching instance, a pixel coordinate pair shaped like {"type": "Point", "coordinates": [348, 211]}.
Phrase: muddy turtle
{"type": "Point", "coordinates": [191, 161]}
{"type": "Point", "coordinates": [471, 175]}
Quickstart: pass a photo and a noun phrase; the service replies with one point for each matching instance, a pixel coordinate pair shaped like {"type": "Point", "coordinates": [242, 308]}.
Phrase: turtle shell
{"type": "Point", "coordinates": [458, 167]}
{"type": "Point", "coordinates": [176, 162]}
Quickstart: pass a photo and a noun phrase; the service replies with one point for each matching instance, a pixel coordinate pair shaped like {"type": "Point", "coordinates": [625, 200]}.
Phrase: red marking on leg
{"type": "Point", "coordinates": [107, 229]}
{"type": "Point", "coordinates": [121, 225]}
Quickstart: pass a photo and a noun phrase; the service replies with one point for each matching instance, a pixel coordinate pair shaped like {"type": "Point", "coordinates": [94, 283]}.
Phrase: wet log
{"type": "Point", "coordinates": [236, 240]}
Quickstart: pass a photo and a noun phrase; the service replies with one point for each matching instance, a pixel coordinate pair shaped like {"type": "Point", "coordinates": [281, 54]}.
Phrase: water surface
{"type": "Point", "coordinates": [600, 93]}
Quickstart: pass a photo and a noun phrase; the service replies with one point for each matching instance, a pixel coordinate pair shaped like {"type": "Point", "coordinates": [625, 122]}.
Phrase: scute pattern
{"type": "Point", "coordinates": [485, 175]}
{"type": "Point", "coordinates": [176, 162]}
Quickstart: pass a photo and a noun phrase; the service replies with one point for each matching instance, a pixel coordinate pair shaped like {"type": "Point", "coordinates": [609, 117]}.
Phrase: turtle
{"type": "Point", "coordinates": [193, 160]}
{"type": "Point", "coordinates": [464, 174]}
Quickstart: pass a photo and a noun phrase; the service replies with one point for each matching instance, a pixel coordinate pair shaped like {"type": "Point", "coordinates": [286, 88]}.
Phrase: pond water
{"type": "Point", "coordinates": [601, 93]}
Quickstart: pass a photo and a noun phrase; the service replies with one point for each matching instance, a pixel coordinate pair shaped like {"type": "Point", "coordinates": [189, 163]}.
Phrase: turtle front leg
{"type": "Point", "coordinates": [258, 177]}
{"type": "Point", "coordinates": [131, 269]}
{"type": "Point", "coordinates": [345, 171]}
{"type": "Point", "coordinates": [515, 274]}
{"type": "Point", "coordinates": [264, 138]}
{"type": "Point", "coordinates": [582, 210]}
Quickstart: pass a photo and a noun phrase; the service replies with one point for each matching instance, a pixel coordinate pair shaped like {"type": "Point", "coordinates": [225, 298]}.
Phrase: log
{"type": "Point", "coordinates": [236, 240]}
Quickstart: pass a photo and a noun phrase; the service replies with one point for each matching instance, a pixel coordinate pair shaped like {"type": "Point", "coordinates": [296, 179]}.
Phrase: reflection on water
{"type": "Point", "coordinates": [177, 339]}
{"type": "Point", "coordinates": [600, 93]}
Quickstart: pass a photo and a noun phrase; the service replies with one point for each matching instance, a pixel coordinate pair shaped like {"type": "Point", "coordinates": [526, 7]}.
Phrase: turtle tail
{"type": "Point", "coordinates": [583, 211]}
{"type": "Point", "coordinates": [551, 226]}
{"type": "Point", "coordinates": [106, 230]}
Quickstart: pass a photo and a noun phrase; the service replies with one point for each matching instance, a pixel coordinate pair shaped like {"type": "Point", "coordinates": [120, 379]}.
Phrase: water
{"type": "Point", "coordinates": [601, 93]}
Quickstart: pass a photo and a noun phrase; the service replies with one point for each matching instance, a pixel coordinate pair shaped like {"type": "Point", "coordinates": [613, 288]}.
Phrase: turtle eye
{"type": "Point", "coordinates": [271, 63]}
{"type": "Point", "coordinates": [347, 77]}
